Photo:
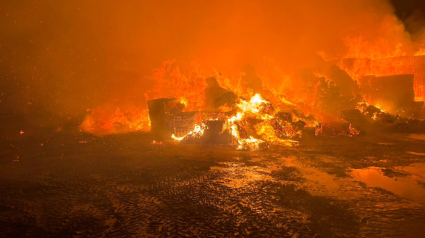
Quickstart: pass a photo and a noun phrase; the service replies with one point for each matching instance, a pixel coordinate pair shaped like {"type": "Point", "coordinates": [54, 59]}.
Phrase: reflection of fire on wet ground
{"type": "Point", "coordinates": [134, 186]}
{"type": "Point", "coordinates": [385, 190]}
{"type": "Point", "coordinates": [408, 184]}
{"type": "Point", "coordinates": [236, 175]}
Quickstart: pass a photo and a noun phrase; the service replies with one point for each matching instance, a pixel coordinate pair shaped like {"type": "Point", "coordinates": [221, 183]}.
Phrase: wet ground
{"type": "Point", "coordinates": [58, 182]}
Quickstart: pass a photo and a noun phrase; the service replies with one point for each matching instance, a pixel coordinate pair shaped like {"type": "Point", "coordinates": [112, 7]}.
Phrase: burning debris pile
{"type": "Point", "coordinates": [371, 117]}
{"type": "Point", "coordinates": [337, 99]}
{"type": "Point", "coordinates": [252, 125]}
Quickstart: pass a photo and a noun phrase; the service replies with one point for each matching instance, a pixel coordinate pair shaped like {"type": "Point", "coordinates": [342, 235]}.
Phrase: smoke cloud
{"type": "Point", "coordinates": [64, 57]}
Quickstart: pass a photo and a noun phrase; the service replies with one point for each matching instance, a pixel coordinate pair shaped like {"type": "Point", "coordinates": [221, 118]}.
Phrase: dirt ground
{"type": "Point", "coordinates": [60, 182]}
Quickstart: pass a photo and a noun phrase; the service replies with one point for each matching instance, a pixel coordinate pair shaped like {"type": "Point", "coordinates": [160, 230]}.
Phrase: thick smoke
{"type": "Point", "coordinates": [412, 14]}
{"type": "Point", "coordinates": [64, 57]}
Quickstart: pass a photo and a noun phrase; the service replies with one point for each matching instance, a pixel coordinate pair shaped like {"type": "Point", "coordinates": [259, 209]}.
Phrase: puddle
{"type": "Point", "coordinates": [320, 183]}
{"type": "Point", "coordinates": [416, 170]}
{"type": "Point", "coordinates": [406, 187]}
{"type": "Point", "coordinates": [322, 179]}
{"type": "Point", "coordinates": [417, 136]}
{"type": "Point", "coordinates": [387, 144]}
{"type": "Point", "coordinates": [415, 153]}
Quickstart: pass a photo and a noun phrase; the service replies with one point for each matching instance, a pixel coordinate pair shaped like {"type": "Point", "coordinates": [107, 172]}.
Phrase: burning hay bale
{"type": "Point", "coordinates": [347, 85]}
{"type": "Point", "coordinates": [182, 123]}
{"type": "Point", "coordinates": [216, 96]}
{"type": "Point", "coordinates": [253, 126]}
{"type": "Point", "coordinates": [256, 124]}
{"type": "Point", "coordinates": [226, 99]}
{"type": "Point", "coordinates": [373, 118]}
{"type": "Point", "coordinates": [284, 116]}
{"type": "Point", "coordinates": [356, 117]}
{"type": "Point", "coordinates": [405, 65]}
{"type": "Point", "coordinates": [159, 114]}
{"type": "Point", "coordinates": [214, 133]}
{"type": "Point", "coordinates": [395, 92]}
{"type": "Point", "coordinates": [169, 121]}
{"type": "Point", "coordinates": [337, 129]}
{"type": "Point", "coordinates": [287, 130]}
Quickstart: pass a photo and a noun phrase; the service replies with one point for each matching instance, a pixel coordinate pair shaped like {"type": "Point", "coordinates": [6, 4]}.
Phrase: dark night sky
{"type": "Point", "coordinates": [411, 13]}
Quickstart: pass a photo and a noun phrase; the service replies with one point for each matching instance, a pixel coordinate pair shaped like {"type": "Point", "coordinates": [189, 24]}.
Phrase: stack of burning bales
{"type": "Point", "coordinates": [346, 97]}
{"type": "Point", "coordinates": [253, 125]}
{"type": "Point", "coordinates": [351, 92]}
{"type": "Point", "coordinates": [372, 118]}
{"type": "Point", "coordinates": [405, 65]}
{"type": "Point", "coordinates": [168, 119]}
{"type": "Point", "coordinates": [395, 84]}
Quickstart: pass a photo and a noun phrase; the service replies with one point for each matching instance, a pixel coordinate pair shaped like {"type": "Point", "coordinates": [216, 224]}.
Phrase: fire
{"type": "Point", "coordinates": [100, 122]}
{"type": "Point", "coordinates": [175, 81]}
{"type": "Point", "coordinates": [249, 144]}
{"type": "Point", "coordinates": [256, 116]}
{"type": "Point", "coordinates": [361, 68]}
{"type": "Point", "coordinates": [186, 84]}
{"type": "Point", "coordinates": [420, 52]}
{"type": "Point", "coordinates": [256, 108]}
{"type": "Point", "coordinates": [197, 132]}
{"type": "Point", "coordinates": [184, 101]}
{"type": "Point", "coordinates": [379, 107]}
{"type": "Point", "coordinates": [362, 106]}
{"type": "Point", "coordinates": [154, 142]}
{"type": "Point", "coordinates": [252, 126]}
{"type": "Point", "coordinates": [282, 99]}
{"type": "Point", "coordinates": [372, 111]}
{"type": "Point", "coordinates": [254, 105]}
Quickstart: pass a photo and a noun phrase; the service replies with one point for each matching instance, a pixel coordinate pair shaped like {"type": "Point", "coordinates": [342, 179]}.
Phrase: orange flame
{"type": "Point", "coordinates": [254, 109]}
{"type": "Point", "coordinates": [197, 132]}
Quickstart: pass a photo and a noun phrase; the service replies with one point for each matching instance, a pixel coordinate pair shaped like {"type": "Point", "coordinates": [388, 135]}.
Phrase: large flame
{"type": "Point", "coordinates": [254, 109]}
{"type": "Point", "coordinates": [102, 122]}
